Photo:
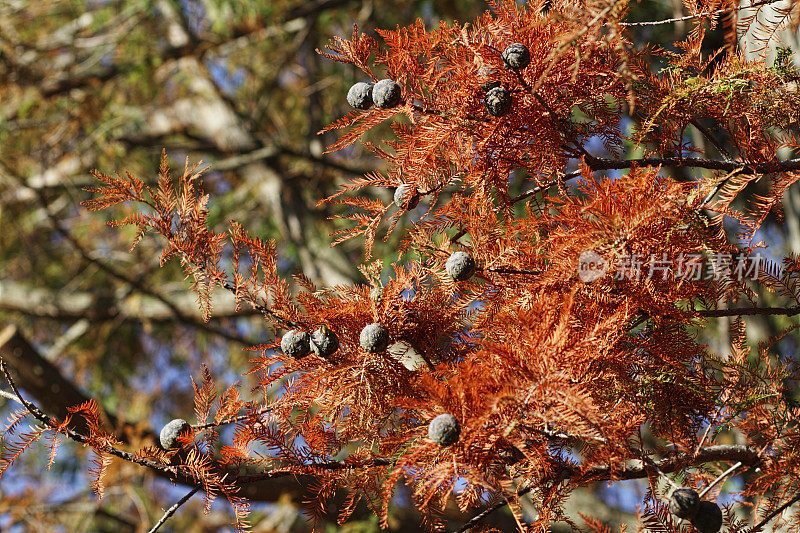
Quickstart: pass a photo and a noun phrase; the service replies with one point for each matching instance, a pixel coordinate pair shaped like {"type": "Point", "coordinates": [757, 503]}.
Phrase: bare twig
{"type": "Point", "coordinates": [478, 518]}
{"type": "Point", "coordinates": [536, 190]}
{"type": "Point", "coordinates": [11, 397]}
{"type": "Point", "coordinates": [698, 15]}
{"type": "Point", "coordinates": [169, 512]}
{"type": "Point", "coordinates": [234, 419]}
{"type": "Point", "coordinates": [314, 467]}
{"type": "Point", "coordinates": [601, 163]}
{"type": "Point", "coordinates": [719, 478]}
{"type": "Point", "coordinates": [42, 417]}
{"type": "Point", "coordinates": [773, 514]}
{"type": "Point", "coordinates": [275, 317]}
{"type": "Point", "coordinates": [742, 454]}
{"type": "Point", "coordinates": [713, 140]}
{"type": "Point", "coordinates": [750, 311]}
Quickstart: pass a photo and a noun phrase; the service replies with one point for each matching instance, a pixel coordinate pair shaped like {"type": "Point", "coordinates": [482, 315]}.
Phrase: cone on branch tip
{"type": "Point", "coordinates": [170, 433]}
{"type": "Point", "coordinates": [708, 518]}
{"type": "Point", "coordinates": [374, 338]}
{"type": "Point", "coordinates": [406, 196]}
{"type": "Point", "coordinates": [360, 95]}
{"type": "Point", "coordinates": [386, 93]}
{"type": "Point", "coordinates": [296, 343]}
{"type": "Point", "coordinates": [684, 503]}
{"type": "Point", "coordinates": [497, 101]}
{"type": "Point", "coordinates": [516, 56]}
{"type": "Point", "coordinates": [444, 430]}
{"type": "Point", "coordinates": [324, 342]}
{"type": "Point", "coordinates": [460, 266]}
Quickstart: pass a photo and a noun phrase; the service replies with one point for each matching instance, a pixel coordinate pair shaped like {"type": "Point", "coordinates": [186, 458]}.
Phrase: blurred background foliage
{"type": "Point", "coordinates": [108, 84]}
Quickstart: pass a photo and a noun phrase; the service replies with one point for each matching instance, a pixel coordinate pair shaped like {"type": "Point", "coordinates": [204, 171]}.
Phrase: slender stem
{"type": "Point", "coordinates": [773, 514]}
{"type": "Point", "coordinates": [478, 518]}
{"type": "Point", "coordinates": [750, 311]}
{"type": "Point", "coordinates": [169, 512]}
{"type": "Point", "coordinates": [279, 320]}
{"type": "Point", "coordinates": [10, 396]}
{"type": "Point", "coordinates": [711, 424]}
{"type": "Point", "coordinates": [719, 478]}
{"type": "Point", "coordinates": [505, 270]}
{"type": "Point", "coordinates": [718, 187]}
{"type": "Point", "coordinates": [565, 126]}
{"type": "Point", "coordinates": [541, 188]}
{"type": "Point", "coordinates": [707, 134]}
{"type": "Point", "coordinates": [328, 466]}
{"type": "Point", "coordinates": [698, 15]}
{"type": "Point", "coordinates": [602, 163]}
{"type": "Point", "coordinates": [234, 419]}
{"type": "Point", "coordinates": [457, 236]}
{"type": "Point", "coordinates": [42, 417]}
{"type": "Point", "coordinates": [641, 318]}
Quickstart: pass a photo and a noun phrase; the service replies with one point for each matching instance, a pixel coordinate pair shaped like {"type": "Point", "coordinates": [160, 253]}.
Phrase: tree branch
{"type": "Point", "coordinates": [634, 470]}
{"type": "Point", "coordinates": [171, 511]}
{"type": "Point", "coordinates": [50, 388]}
{"type": "Point", "coordinates": [75, 305]}
{"type": "Point", "coordinates": [750, 311]}
{"type": "Point", "coordinates": [698, 15]}
{"type": "Point", "coordinates": [133, 282]}
{"type": "Point", "coordinates": [602, 163]}
{"type": "Point", "coordinates": [637, 469]}
{"type": "Point", "coordinates": [80, 437]}
{"type": "Point", "coordinates": [773, 514]}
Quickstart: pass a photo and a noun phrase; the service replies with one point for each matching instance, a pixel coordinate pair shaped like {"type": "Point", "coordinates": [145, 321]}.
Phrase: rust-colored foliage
{"type": "Point", "coordinates": [554, 380]}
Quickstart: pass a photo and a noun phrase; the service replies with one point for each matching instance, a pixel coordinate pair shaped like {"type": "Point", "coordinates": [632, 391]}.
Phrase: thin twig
{"type": "Point", "coordinates": [11, 397]}
{"type": "Point", "coordinates": [540, 188]}
{"type": "Point", "coordinates": [719, 478]}
{"type": "Point", "coordinates": [130, 281]}
{"type": "Point", "coordinates": [718, 187]}
{"type": "Point", "coordinates": [707, 134]}
{"type": "Point", "coordinates": [565, 126]}
{"type": "Point", "coordinates": [698, 15]}
{"type": "Point", "coordinates": [234, 419]}
{"type": "Point", "coordinates": [42, 417]}
{"type": "Point", "coordinates": [640, 318]}
{"type": "Point", "coordinates": [294, 470]}
{"type": "Point", "coordinates": [740, 311]}
{"type": "Point", "coordinates": [478, 518]}
{"type": "Point", "coordinates": [279, 320]}
{"type": "Point", "coordinates": [773, 514]}
{"type": "Point", "coordinates": [602, 163]}
{"type": "Point", "coordinates": [750, 311]}
{"type": "Point", "coordinates": [169, 512]}
{"type": "Point", "coordinates": [505, 270]}
{"type": "Point", "coordinates": [711, 424]}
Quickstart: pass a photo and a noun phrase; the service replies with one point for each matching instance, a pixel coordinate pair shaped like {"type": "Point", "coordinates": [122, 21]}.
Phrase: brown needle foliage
{"type": "Point", "coordinates": [556, 382]}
